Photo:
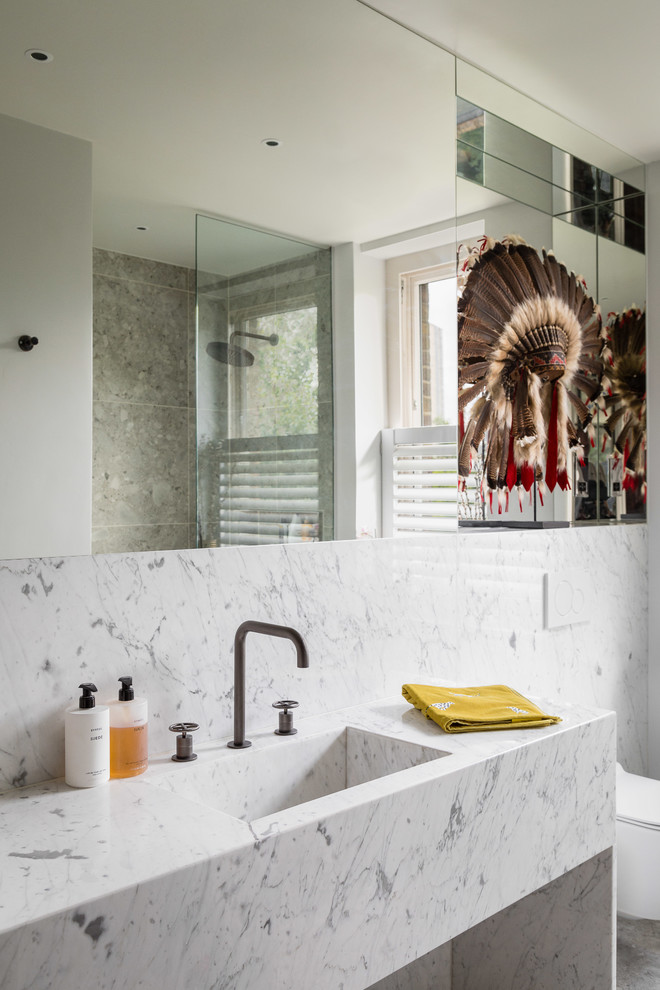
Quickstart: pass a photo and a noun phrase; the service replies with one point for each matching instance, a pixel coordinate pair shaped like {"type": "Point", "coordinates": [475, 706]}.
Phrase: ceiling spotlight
{"type": "Point", "coordinates": [271, 142]}
{"type": "Point", "coordinates": [38, 55]}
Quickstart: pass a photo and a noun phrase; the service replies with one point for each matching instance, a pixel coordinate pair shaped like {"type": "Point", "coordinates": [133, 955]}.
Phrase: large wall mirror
{"type": "Point", "coordinates": [324, 270]}
{"type": "Point", "coordinates": [266, 395]}
{"type": "Point", "coordinates": [579, 205]}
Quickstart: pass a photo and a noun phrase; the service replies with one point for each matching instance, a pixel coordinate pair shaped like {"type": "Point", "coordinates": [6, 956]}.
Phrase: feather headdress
{"type": "Point", "coordinates": [529, 339]}
{"type": "Point", "coordinates": [625, 401]}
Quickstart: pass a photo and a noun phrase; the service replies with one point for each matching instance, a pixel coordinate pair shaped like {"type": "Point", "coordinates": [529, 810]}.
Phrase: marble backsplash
{"type": "Point", "coordinates": [374, 614]}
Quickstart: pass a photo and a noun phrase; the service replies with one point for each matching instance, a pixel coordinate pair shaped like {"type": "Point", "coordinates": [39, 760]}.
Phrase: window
{"type": "Point", "coordinates": [278, 394]}
{"type": "Point", "coordinates": [428, 346]}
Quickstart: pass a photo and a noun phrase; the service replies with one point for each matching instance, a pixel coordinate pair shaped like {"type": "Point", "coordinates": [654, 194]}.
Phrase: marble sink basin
{"type": "Point", "coordinates": [282, 773]}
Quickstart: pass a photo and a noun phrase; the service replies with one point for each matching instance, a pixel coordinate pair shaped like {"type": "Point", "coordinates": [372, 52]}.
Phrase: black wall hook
{"type": "Point", "coordinates": [26, 343]}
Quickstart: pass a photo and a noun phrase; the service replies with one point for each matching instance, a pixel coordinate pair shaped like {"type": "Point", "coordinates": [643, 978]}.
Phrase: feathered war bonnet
{"type": "Point", "coordinates": [529, 339]}
{"type": "Point", "coordinates": [624, 398]}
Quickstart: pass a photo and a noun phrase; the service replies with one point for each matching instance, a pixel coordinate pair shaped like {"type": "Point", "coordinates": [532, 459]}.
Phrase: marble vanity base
{"type": "Point", "coordinates": [558, 936]}
{"type": "Point", "coordinates": [562, 935]}
{"type": "Point", "coordinates": [499, 847]}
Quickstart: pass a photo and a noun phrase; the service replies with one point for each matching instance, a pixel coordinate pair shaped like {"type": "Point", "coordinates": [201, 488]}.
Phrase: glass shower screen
{"type": "Point", "coordinates": [264, 388]}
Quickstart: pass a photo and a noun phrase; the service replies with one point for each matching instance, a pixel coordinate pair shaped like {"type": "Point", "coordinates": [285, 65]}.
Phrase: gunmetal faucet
{"type": "Point", "coordinates": [268, 629]}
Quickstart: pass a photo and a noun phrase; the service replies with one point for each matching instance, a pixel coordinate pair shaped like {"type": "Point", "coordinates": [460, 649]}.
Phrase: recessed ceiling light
{"type": "Point", "coordinates": [38, 55]}
{"type": "Point", "coordinates": [271, 142]}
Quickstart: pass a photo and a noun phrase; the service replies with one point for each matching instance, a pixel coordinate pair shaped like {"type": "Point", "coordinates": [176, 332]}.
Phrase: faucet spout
{"type": "Point", "coordinates": [267, 629]}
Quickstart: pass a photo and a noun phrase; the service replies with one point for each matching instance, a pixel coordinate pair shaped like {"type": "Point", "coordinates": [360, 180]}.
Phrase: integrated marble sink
{"type": "Point", "coordinates": [283, 773]}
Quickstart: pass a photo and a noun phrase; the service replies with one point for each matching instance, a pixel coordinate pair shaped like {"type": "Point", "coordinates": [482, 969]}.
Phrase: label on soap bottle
{"type": "Point", "coordinates": [87, 746]}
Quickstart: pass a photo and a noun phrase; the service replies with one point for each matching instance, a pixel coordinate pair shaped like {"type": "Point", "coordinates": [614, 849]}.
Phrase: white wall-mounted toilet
{"type": "Point", "coordinates": [637, 845]}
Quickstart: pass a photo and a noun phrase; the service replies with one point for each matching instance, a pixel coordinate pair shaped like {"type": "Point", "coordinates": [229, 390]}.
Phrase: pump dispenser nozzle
{"type": "Point", "coordinates": [126, 692]}
{"type": "Point", "coordinates": [87, 699]}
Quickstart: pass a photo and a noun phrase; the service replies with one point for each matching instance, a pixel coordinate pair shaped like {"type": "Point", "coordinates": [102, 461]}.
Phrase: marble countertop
{"type": "Point", "coordinates": [63, 847]}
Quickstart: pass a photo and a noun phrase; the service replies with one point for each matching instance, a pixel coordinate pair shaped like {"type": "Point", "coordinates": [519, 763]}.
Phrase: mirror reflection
{"type": "Point", "coordinates": [264, 388]}
{"type": "Point", "coordinates": [188, 380]}
{"type": "Point", "coordinates": [556, 414]}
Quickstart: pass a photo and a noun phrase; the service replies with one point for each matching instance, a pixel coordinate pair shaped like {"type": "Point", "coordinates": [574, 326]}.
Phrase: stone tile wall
{"type": "Point", "coordinates": [144, 461]}
{"type": "Point", "coordinates": [144, 405]}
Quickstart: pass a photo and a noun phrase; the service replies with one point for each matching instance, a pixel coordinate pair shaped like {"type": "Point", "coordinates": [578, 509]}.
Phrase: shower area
{"type": "Point", "coordinates": [264, 421]}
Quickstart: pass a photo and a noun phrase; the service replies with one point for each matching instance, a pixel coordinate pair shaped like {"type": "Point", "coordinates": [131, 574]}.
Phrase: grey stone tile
{"type": "Point", "coordinates": [308, 266]}
{"type": "Point", "coordinates": [638, 954]}
{"type": "Point", "coordinates": [253, 281]}
{"type": "Point", "coordinates": [307, 291]}
{"type": "Point", "coordinates": [145, 465]}
{"type": "Point", "coordinates": [192, 469]}
{"type": "Point", "coordinates": [212, 317]}
{"type": "Point", "coordinates": [126, 266]}
{"type": "Point", "coordinates": [253, 297]}
{"type": "Point", "coordinates": [140, 465]}
{"type": "Point", "coordinates": [212, 379]}
{"type": "Point", "coordinates": [211, 429]}
{"type": "Point", "coordinates": [135, 539]}
{"type": "Point", "coordinates": [209, 535]}
{"type": "Point", "coordinates": [209, 467]}
{"type": "Point", "coordinates": [325, 358]}
{"type": "Point", "coordinates": [192, 352]}
{"type": "Point", "coordinates": [208, 283]}
{"type": "Point", "coordinates": [192, 537]}
{"type": "Point", "coordinates": [212, 392]}
{"type": "Point", "coordinates": [140, 342]}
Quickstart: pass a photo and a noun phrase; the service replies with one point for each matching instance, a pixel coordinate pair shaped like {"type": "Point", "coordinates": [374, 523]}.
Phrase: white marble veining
{"type": "Point", "coordinates": [374, 614]}
{"type": "Point", "coordinates": [603, 661]}
{"type": "Point", "coordinates": [169, 620]}
{"type": "Point", "coordinates": [335, 893]}
{"type": "Point", "coordinates": [556, 937]}
{"type": "Point", "coordinates": [553, 938]}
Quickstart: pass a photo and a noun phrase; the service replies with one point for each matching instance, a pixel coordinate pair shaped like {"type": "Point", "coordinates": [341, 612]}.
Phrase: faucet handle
{"type": "Point", "coordinates": [286, 718]}
{"type": "Point", "coordinates": [184, 743]}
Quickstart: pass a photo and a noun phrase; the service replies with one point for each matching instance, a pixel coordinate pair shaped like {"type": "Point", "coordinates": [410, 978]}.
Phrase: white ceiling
{"type": "Point", "coordinates": [593, 61]}
{"type": "Point", "coordinates": [176, 98]}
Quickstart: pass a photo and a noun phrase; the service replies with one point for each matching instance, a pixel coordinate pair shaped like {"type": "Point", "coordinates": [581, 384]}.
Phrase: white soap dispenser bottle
{"type": "Point", "coordinates": [128, 732]}
{"type": "Point", "coordinates": [87, 741]}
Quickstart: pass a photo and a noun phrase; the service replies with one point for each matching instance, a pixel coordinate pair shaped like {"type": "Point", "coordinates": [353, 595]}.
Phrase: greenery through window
{"type": "Point", "coordinates": [278, 395]}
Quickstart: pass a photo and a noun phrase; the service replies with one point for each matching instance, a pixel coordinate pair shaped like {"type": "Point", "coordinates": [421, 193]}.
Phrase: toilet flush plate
{"type": "Point", "coordinates": [568, 598]}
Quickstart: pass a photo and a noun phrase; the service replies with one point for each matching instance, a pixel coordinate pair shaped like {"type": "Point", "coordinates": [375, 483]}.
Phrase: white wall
{"type": "Point", "coordinates": [621, 277]}
{"type": "Point", "coordinates": [360, 389]}
{"type": "Point", "coordinates": [45, 291]}
{"type": "Point", "coordinates": [343, 384]}
{"type": "Point", "coordinates": [370, 389]}
{"type": "Point", "coordinates": [577, 249]}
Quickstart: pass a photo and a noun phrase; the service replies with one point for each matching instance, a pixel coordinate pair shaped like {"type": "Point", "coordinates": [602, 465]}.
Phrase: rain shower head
{"type": "Point", "coordinates": [219, 350]}
{"type": "Point", "coordinates": [239, 357]}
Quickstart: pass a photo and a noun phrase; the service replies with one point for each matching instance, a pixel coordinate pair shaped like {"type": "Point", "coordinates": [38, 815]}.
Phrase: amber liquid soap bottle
{"type": "Point", "coordinates": [128, 732]}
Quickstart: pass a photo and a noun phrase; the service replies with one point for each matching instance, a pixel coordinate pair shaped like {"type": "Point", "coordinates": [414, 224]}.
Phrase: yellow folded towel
{"type": "Point", "coordinates": [473, 709]}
